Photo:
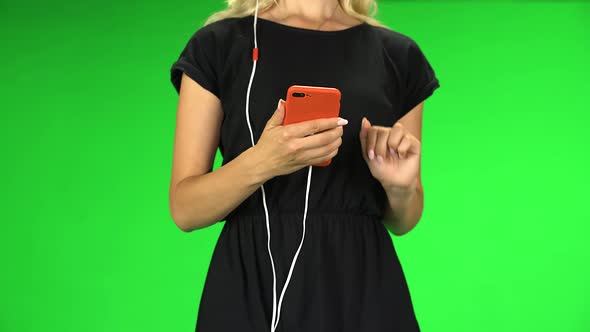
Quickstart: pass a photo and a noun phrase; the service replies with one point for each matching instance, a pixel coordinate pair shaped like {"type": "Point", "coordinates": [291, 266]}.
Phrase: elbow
{"type": "Point", "coordinates": [180, 222]}
{"type": "Point", "coordinates": [187, 223]}
{"type": "Point", "coordinates": [402, 227]}
{"type": "Point", "coordinates": [410, 220]}
{"type": "Point", "coordinates": [403, 231]}
{"type": "Point", "coordinates": [179, 218]}
{"type": "Point", "coordinates": [184, 227]}
{"type": "Point", "coordinates": [187, 220]}
{"type": "Point", "coordinates": [176, 213]}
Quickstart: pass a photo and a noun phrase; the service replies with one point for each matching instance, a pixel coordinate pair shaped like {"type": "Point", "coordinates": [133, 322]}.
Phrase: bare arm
{"type": "Point", "coordinates": [198, 197]}
{"type": "Point", "coordinates": [406, 206]}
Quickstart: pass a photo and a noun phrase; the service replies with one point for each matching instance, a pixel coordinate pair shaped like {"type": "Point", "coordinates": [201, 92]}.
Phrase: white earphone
{"type": "Point", "coordinates": [275, 311]}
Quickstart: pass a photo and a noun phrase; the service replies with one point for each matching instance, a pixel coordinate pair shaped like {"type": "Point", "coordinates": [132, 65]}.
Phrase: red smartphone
{"type": "Point", "coordinates": [309, 103]}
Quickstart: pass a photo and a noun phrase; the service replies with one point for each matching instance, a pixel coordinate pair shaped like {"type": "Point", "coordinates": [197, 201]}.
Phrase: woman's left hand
{"type": "Point", "coordinates": [392, 154]}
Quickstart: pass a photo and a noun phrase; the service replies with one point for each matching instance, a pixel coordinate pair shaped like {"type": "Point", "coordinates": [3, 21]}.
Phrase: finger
{"type": "Point", "coordinates": [320, 139]}
{"type": "Point", "coordinates": [395, 136]}
{"type": "Point", "coordinates": [415, 144]}
{"type": "Point", "coordinates": [309, 127]}
{"type": "Point", "coordinates": [371, 140]}
{"type": "Point", "coordinates": [363, 136]}
{"type": "Point", "coordinates": [381, 144]}
{"type": "Point", "coordinates": [323, 157]}
{"type": "Point", "coordinates": [278, 116]}
{"type": "Point", "coordinates": [321, 151]}
{"type": "Point", "coordinates": [404, 146]}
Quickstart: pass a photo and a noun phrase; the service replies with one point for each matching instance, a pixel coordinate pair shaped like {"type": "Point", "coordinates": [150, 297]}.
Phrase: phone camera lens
{"type": "Point", "coordinates": [298, 94]}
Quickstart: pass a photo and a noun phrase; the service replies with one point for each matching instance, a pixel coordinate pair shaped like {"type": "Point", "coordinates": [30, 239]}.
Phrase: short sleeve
{"type": "Point", "coordinates": [197, 60]}
{"type": "Point", "coordinates": [421, 80]}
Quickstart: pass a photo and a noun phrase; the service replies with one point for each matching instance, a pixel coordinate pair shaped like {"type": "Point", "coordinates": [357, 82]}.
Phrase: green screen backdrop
{"type": "Point", "coordinates": [88, 114]}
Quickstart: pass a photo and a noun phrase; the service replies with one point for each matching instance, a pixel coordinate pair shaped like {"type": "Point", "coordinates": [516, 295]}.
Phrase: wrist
{"type": "Point", "coordinates": [403, 193]}
{"type": "Point", "coordinates": [257, 170]}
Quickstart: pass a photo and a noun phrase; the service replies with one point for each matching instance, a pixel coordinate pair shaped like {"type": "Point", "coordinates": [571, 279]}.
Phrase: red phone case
{"type": "Point", "coordinates": [316, 103]}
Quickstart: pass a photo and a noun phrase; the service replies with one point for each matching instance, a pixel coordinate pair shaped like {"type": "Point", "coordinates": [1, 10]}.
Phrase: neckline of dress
{"type": "Point", "coordinates": [305, 30]}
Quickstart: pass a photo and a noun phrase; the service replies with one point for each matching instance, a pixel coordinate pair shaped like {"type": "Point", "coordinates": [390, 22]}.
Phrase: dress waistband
{"type": "Point", "coordinates": [310, 214]}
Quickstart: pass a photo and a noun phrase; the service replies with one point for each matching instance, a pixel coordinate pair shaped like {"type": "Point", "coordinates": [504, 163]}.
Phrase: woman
{"type": "Point", "coordinates": [347, 275]}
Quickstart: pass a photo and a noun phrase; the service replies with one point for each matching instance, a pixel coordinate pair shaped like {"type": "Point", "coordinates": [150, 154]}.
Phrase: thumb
{"type": "Point", "coordinates": [365, 125]}
{"type": "Point", "coordinates": [277, 118]}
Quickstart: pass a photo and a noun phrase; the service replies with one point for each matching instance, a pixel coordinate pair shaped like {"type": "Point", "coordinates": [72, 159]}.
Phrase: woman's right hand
{"type": "Point", "coordinates": [286, 149]}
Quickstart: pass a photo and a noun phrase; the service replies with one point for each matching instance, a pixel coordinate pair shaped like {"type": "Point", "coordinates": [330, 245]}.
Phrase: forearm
{"type": "Point", "coordinates": [404, 208]}
{"type": "Point", "coordinates": [203, 200]}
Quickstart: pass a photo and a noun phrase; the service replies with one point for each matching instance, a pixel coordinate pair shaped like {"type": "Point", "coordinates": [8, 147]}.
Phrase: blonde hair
{"type": "Point", "coordinates": [363, 10]}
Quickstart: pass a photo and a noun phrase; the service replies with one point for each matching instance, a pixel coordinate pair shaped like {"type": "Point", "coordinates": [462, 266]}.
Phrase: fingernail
{"type": "Point", "coordinates": [391, 151]}
{"type": "Point", "coordinates": [342, 122]}
{"type": "Point", "coordinates": [371, 154]}
{"type": "Point", "coordinates": [379, 159]}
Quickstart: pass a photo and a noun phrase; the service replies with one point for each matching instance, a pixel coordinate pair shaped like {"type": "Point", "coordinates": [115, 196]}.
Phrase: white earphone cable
{"type": "Point", "coordinates": [298, 249]}
{"type": "Point", "coordinates": [275, 311]}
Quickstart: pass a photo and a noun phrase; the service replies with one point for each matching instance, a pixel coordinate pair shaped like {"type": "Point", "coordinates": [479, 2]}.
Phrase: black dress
{"type": "Point", "coordinates": [347, 276]}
